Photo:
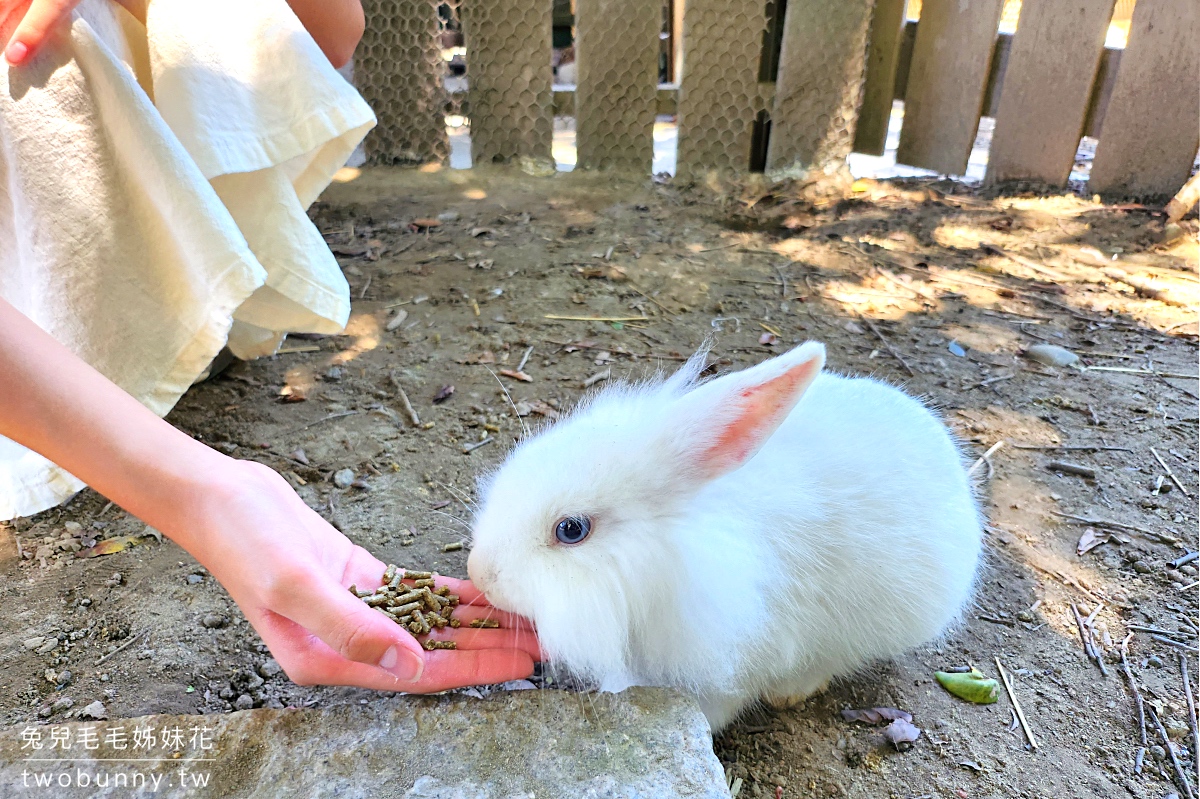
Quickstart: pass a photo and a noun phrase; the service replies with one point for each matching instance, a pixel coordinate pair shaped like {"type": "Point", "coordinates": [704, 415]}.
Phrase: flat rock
{"type": "Point", "coordinates": [1051, 355]}
{"type": "Point", "coordinates": [644, 743]}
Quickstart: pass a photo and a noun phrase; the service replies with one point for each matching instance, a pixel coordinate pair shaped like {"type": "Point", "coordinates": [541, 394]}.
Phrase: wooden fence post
{"type": "Point", "coordinates": [617, 47]}
{"type": "Point", "coordinates": [398, 70]}
{"type": "Point", "coordinates": [821, 68]}
{"type": "Point", "coordinates": [1055, 55]}
{"type": "Point", "coordinates": [509, 79]}
{"type": "Point", "coordinates": [1149, 136]}
{"type": "Point", "coordinates": [946, 80]}
{"type": "Point", "coordinates": [719, 90]}
{"type": "Point", "coordinates": [883, 57]}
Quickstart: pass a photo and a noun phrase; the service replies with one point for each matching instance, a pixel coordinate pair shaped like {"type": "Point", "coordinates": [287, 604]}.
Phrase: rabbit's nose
{"type": "Point", "coordinates": [481, 574]}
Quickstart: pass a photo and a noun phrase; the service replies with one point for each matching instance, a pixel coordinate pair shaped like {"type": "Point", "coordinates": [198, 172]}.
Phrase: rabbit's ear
{"type": "Point", "coordinates": [724, 422]}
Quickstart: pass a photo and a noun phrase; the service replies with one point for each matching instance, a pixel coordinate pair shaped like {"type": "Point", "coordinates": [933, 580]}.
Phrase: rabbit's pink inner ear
{"type": "Point", "coordinates": [761, 409]}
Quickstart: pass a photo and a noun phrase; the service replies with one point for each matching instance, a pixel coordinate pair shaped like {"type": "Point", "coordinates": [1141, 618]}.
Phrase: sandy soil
{"type": "Point", "coordinates": [899, 271]}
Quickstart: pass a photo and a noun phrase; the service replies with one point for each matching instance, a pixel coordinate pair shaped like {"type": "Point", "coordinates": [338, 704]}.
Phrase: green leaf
{"type": "Point", "coordinates": [973, 686]}
{"type": "Point", "coordinates": [618, 325]}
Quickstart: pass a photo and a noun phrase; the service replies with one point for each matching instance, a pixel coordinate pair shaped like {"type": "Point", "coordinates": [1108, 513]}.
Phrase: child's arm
{"type": "Point", "coordinates": [336, 25]}
{"type": "Point", "coordinates": [282, 563]}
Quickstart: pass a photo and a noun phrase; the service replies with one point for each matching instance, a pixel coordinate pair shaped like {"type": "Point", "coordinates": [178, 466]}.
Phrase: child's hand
{"type": "Point", "coordinates": [289, 571]}
{"type": "Point", "coordinates": [30, 22]}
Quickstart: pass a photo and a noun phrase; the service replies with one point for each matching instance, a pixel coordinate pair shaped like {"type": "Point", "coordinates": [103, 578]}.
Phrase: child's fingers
{"type": "Point", "coordinates": [470, 639]}
{"type": "Point", "coordinates": [469, 613]}
{"type": "Point", "coordinates": [39, 21]}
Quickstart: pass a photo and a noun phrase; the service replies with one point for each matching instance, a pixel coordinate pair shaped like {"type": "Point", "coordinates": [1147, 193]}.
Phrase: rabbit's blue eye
{"type": "Point", "coordinates": [573, 529]}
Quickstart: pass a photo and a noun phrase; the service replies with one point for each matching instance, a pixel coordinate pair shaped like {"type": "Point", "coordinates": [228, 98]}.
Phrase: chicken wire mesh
{"type": "Point", "coordinates": [719, 94]}
{"type": "Point", "coordinates": [616, 98]}
{"type": "Point", "coordinates": [399, 71]}
{"type": "Point", "coordinates": [509, 79]}
{"type": "Point", "coordinates": [822, 67]}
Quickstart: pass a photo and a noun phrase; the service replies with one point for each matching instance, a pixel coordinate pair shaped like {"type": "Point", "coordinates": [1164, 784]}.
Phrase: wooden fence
{"type": "Point", "coordinates": [793, 85]}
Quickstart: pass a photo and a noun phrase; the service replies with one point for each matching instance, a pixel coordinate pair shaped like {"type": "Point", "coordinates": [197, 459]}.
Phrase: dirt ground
{"type": "Point", "coordinates": [929, 285]}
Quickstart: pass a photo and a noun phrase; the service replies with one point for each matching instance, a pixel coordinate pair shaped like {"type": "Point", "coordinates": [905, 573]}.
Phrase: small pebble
{"type": "Point", "coordinates": [1142, 567]}
{"type": "Point", "coordinates": [65, 678]}
{"type": "Point", "coordinates": [44, 712]}
{"type": "Point", "coordinates": [244, 702]}
{"type": "Point", "coordinates": [343, 478]}
{"type": "Point", "coordinates": [1154, 661]}
{"type": "Point", "coordinates": [1051, 355]}
{"type": "Point", "coordinates": [213, 621]}
{"type": "Point", "coordinates": [61, 704]}
{"type": "Point", "coordinates": [270, 668]}
{"type": "Point", "coordinates": [193, 579]}
{"type": "Point", "coordinates": [33, 643]}
{"type": "Point", "coordinates": [1176, 729]}
{"type": "Point", "coordinates": [96, 711]}
{"type": "Point", "coordinates": [1157, 752]}
{"type": "Point", "coordinates": [1025, 615]}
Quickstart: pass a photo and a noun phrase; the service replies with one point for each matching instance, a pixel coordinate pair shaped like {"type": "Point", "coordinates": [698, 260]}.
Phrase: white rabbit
{"type": "Point", "coordinates": [749, 537]}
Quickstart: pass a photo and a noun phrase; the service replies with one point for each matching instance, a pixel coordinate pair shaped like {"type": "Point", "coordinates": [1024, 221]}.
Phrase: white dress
{"type": "Point", "coordinates": [153, 185]}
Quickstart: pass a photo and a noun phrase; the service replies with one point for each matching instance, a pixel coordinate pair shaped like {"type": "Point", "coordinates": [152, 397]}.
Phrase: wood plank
{"type": "Point", "coordinates": [1150, 134]}
{"type": "Point", "coordinates": [617, 47]}
{"type": "Point", "coordinates": [819, 86]}
{"type": "Point", "coordinates": [887, 34]}
{"type": "Point", "coordinates": [951, 58]}
{"type": "Point", "coordinates": [1052, 64]}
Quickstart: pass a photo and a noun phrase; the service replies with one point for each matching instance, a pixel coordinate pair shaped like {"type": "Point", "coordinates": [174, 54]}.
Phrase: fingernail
{"type": "Point", "coordinates": [404, 663]}
{"type": "Point", "coordinates": [16, 53]}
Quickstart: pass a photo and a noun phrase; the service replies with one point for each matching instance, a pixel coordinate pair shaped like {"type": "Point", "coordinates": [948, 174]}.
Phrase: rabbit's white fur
{"type": "Point", "coordinates": [851, 535]}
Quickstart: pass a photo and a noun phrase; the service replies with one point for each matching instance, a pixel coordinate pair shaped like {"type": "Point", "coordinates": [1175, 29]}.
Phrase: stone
{"type": "Point", "coordinates": [61, 704]}
{"type": "Point", "coordinates": [1154, 661]}
{"type": "Point", "coordinates": [644, 742]}
{"type": "Point", "coordinates": [1176, 729]}
{"type": "Point", "coordinates": [1142, 567]}
{"type": "Point", "coordinates": [34, 643]}
{"type": "Point", "coordinates": [1051, 355]}
{"type": "Point", "coordinates": [270, 668]}
{"type": "Point", "coordinates": [343, 478]}
{"type": "Point", "coordinates": [244, 702]}
{"type": "Point", "coordinates": [213, 621]}
{"type": "Point", "coordinates": [194, 579]}
{"type": "Point", "coordinates": [96, 710]}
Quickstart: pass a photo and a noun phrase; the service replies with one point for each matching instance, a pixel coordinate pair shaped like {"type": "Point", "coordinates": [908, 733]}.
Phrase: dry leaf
{"type": "Point", "coordinates": [875, 715]}
{"type": "Point", "coordinates": [443, 394]}
{"type": "Point", "coordinates": [901, 731]}
{"type": "Point", "coordinates": [1090, 540]}
{"type": "Point", "coordinates": [110, 545]}
{"type": "Point", "coordinates": [293, 394]}
{"type": "Point", "coordinates": [515, 375]}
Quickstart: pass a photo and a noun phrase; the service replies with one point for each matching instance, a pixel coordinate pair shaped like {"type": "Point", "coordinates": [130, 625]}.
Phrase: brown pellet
{"type": "Point", "coordinates": [423, 583]}
{"type": "Point", "coordinates": [489, 624]}
{"type": "Point", "coordinates": [432, 645]}
{"type": "Point", "coordinates": [411, 575]}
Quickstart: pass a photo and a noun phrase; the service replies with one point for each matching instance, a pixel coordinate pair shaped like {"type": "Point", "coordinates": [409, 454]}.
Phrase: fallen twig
{"type": "Point", "coordinates": [986, 458]}
{"type": "Point", "coordinates": [1138, 702]}
{"type": "Point", "coordinates": [1183, 201]}
{"type": "Point", "coordinates": [895, 354]}
{"type": "Point", "coordinates": [598, 318]}
{"type": "Point", "coordinates": [1170, 473]}
{"type": "Point", "coordinates": [1160, 537]}
{"type": "Point", "coordinates": [1184, 560]}
{"type": "Point", "coordinates": [319, 421]}
{"type": "Point", "coordinates": [123, 646]}
{"type": "Point", "coordinates": [1180, 777]}
{"type": "Point", "coordinates": [1073, 448]}
{"type": "Point", "coordinates": [1072, 468]}
{"type": "Point", "coordinates": [466, 448]}
{"type": "Point", "coordinates": [1132, 371]}
{"type": "Point", "coordinates": [1016, 706]}
{"type": "Point", "coordinates": [1085, 637]}
{"type": "Point", "coordinates": [1191, 702]}
{"type": "Point", "coordinates": [524, 359]}
{"type": "Point", "coordinates": [1162, 639]}
{"type": "Point", "coordinates": [405, 404]}
{"type": "Point", "coordinates": [603, 374]}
